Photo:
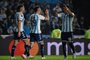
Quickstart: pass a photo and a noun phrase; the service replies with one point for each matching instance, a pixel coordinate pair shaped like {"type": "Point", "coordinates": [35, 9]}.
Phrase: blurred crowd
{"type": "Point", "coordinates": [8, 10]}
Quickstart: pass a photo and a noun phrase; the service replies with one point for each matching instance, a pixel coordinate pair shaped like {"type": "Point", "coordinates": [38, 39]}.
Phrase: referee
{"type": "Point", "coordinates": [67, 30]}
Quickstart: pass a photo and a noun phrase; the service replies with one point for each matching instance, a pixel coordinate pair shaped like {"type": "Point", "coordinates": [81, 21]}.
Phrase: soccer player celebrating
{"type": "Point", "coordinates": [67, 30]}
{"type": "Point", "coordinates": [35, 32]}
{"type": "Point", "coordinates": [19, 31]}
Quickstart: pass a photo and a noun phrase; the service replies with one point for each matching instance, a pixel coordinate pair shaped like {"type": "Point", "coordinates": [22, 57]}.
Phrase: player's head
{"type": "Point", "coordinates": [21, 8]}
{"type": "Point", "coordinates": [64, 8]}
{"type": "Point", "coordinates": [37, 10]}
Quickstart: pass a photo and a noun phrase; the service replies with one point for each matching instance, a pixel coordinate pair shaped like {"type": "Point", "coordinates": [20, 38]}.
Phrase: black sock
{"type": "Point", "coordinates": [64, 49]}
{"type": "Point", "coordinates": [42, 50]}
{"type": "Point", "coordinates": [72, 47]}
{"type": "Point", "coordinates": [27, 48]}
{"type": "Point", "coordinates": [13, 50]}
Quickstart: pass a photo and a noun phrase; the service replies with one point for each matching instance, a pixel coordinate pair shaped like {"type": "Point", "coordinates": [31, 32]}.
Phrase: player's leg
{"type": "Point", "coordinates": [73, 49]}
{"type": "Point", "coordinates": [27, 47]}
{"type": "Point", "coordinates": [70, 43]}
{"type": "Point", "coordinates": [41, 45]}
{"type": "Point", "coordinates": [31, 45]}
{"type": "Point", "coordinates": [64, 38]}
{"type": "Point", "coordinates": [72, 46]}
{"type": "Point", "coordinates": [16, 39]}
{"type": "Point", "coordinates": [32, 41]}
{"type": "Point", "coordinates": [64, 49]}
{"type": "Point", "coordinates": [13, 49]}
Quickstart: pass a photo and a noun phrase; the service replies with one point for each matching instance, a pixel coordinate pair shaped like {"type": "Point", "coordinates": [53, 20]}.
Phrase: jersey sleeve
{"type": "Point", "coordinates": [19, 17]}
{"type": "Point", "coordinates": [41, 17]}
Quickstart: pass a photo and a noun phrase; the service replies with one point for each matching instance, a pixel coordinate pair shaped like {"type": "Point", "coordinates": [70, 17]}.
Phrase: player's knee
{"type": "Point", "coordinates": [41, 42]}
{"type": "Point", "coordinates": [31, 44]}
{"type": "Point", "coordinates": [15, 42]}
{"type": "Point", "coordinates": [26, 41]}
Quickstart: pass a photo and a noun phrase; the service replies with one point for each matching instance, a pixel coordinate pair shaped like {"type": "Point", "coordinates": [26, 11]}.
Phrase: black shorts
{"type": "Point", "coordinates": [35, 37]}
{"type": "Point", "coordinates": [23, 36]}
{"type": "Point", "coordinates": [66, 36]}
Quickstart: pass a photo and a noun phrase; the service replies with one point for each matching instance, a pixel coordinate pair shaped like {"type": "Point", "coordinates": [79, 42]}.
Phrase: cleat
{"type": "Point", "coordinates": [12, 58]}
{"type": "Point", "coordinates": [65, 58]}
{"type": "Point", "coordinates": [24, 56]}
{"type": "Point", "coordinates": [43, 58]}
{"type": "Point", "coordinates": [30, 56]}
{"type": "Point", "coordinates": [74, 56]}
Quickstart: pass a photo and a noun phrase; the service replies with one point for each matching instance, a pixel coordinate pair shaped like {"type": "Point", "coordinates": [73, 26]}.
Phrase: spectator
{"type": "Point", "coordinates": [56, 33]}
{"type": "Point", "coordinates": [87, 34]}
{"type": "Point", "coordinates": [8, 9]}
{"type": "Point", "coordinates": [57, 9]}
{"type": "Point", "coordinates": [36, 3]}
{"type": "Point", "coordinates": [1, 31]}
{"type": "Point", "coordinates": [27, 28]}
{"type": "Point", "coordinates": [28, 13]}
{"type": "Point", "coordinates": [3, 3]}
{"type": "Point", "coordinates": [12, 28]}
{"type": "Point", "coordinates": [55, 20]}
{"type": "Point", "coordinates": [2, 14]}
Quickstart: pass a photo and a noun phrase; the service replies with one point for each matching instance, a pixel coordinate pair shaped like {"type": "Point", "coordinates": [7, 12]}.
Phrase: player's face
{"type": "Point", "coordinates": [39, 10]}
{"type": "Point", "coordinates": [65, 10]}
{"type": "Point", "coordinates": [23, 9]}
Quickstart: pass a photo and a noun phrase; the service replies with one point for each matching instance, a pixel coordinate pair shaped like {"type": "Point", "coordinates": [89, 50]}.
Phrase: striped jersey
{"type": "Point", "coordinates": [35, 21]}
{"type": "Point", "coordinates": [67, 21]}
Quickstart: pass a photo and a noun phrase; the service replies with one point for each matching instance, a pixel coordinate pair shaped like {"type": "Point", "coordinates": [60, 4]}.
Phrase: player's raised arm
{"type": "Point", "coordinates": [69, 11]}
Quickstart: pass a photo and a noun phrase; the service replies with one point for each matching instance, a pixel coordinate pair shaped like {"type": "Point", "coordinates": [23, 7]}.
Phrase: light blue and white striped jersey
{"type": "Point", "coordinates": [19, 16]}
{"type": "Point", "coordinates": [35, 21]}
{"type": "Point", "coordinates": [67, 21]}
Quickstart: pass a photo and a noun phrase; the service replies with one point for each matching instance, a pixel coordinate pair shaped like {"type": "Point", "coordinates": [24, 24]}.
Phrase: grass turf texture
{"type": "Point", "coordinates": [48, 58]}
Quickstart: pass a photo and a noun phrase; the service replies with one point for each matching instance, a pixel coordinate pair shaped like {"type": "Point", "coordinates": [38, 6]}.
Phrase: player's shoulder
{"type": "Point", "coordinates": [17, 13]}
{"type": "Point", "coordinates": [32, 14]}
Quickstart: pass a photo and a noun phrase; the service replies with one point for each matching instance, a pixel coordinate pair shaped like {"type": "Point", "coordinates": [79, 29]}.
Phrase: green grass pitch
{"type": "Point", "coordinates": [49, 58]}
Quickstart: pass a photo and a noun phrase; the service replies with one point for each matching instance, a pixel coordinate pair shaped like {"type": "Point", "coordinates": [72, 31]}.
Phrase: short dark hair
{"type": "Point", "coordinates": [62, 5]}
{"type": "Point", "coordinates": [36, 8]}
{"type": "Point", "coordinates": [19, 6]}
